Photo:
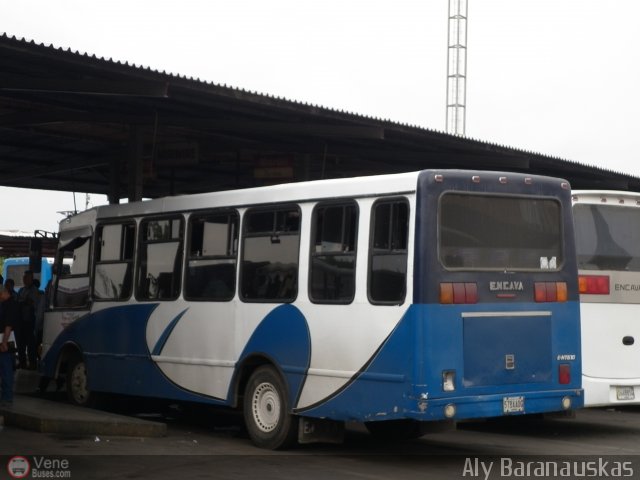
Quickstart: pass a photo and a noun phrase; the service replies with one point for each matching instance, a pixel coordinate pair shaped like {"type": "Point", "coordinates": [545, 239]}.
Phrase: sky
{"type": "Point", "coordinates": [555, 77]}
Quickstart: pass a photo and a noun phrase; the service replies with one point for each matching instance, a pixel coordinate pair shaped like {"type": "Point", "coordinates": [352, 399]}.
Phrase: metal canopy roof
{"type": "Point", "coordinates": [74, 122]}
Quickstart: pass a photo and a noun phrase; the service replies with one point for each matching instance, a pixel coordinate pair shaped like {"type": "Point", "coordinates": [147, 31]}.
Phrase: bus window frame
{"type": "Point", "coordinates": [57, 272]}
{"type": "Point", "coordinates": [561, 214]}
{"type": "Point", "coordinates": [229, 212]}
{"type": "Point", "coordinates": [177, 261]}
{"type": "Point", "coordinates": [133, 262]}
{"type": "Point", "coordinates": [613, 207]}
{"type": "Point", "coordinates": [274, 208]}
{"type": "Point", "coordinates": [343, 202]}
{"type": "Point", "coordinates": [370, 253]}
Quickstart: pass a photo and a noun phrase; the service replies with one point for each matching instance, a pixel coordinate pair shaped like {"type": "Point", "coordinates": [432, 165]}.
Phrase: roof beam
{"type": "Point", "coordinates": [86, 86]}
{"type": "Point", "coordinates": [48, 171]}
{"type": "Point", "coordinates": [32, 119]}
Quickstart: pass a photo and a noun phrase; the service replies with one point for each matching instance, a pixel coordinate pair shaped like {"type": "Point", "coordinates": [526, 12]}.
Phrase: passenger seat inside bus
{"type": "Point", "coordinates": [165, 285]}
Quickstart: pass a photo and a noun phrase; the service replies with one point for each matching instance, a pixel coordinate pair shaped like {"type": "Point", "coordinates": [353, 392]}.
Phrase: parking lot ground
{"type": "Point", "coordinates": [200, 443]}
{"type": "Point", "coordinates": [47, 416]}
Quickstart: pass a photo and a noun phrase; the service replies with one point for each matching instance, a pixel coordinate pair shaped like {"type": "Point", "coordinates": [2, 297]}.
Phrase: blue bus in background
{"type": "Point", "coordinates": [14, 268]}
{"type": "Point", "coordinates": [394, 300]}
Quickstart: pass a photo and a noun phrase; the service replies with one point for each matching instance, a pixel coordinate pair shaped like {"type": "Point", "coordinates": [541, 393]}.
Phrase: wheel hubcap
{"type": "Point", "coordinates": [266, 407]}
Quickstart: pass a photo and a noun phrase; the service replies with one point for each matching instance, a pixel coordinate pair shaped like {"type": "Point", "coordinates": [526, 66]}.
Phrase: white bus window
{"type": "Point", "coordinates": [160, 264]}
{"type": "Point", "coordinates": [333, 253]}
{"type": "Point", "coordinates": [607, 237]}
{"type": "Point", "coordinates": [271, 245]}
{"type": "Point", "coordinates": [388, 252]}
{"type": "Point", "coordinates": [212, 253]}
{"type": "Point", "coordinates": [113, 278]}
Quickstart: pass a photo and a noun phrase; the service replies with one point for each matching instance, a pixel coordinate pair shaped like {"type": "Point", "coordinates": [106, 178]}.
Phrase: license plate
{"type": "Point", "coordinates": [512, 404]}
{"type": "Point", "coordinates": [625, 393]}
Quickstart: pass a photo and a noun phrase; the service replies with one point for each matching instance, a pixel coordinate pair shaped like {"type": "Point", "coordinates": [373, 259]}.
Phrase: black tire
{"type": "Point", "coordinates": [394, 430]}
{"type": "Point", "coordinates": [267, 410]}
{"type": "Point", "coordinates": [78, 391]}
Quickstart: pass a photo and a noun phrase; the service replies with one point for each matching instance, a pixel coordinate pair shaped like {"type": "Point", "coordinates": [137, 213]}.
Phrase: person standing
{"type": "Point", "coordinates": [10, 285]}
{"type": "Point", "coordinates": [28, 298]}
{"type": "Point", "coordinates": [9, 317]}
{"type": "Point", "coordinates": [40, 307]}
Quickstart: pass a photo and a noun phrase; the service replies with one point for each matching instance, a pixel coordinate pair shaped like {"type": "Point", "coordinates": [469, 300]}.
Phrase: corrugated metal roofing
{"type": "Point", "coordinates": [75, 121]}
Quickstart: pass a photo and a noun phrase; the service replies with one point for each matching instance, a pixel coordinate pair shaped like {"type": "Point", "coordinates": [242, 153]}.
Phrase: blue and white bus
{"type": "Point", "coordinates": [607, 226]}
{"type": "Point", "coordinates": [393, 300]}
{"type": "Point", "coordinates": [14, 268]}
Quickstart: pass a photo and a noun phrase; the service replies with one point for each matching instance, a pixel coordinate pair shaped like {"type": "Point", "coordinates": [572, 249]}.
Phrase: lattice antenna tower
{"type": "Point", "coordinates": [457, 67]}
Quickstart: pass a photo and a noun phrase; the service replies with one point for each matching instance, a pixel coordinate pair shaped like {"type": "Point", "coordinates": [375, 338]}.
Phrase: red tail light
{"type": "Point", "coordinates": [550, 291]}
{"type": "Point", "coordinates": [564, 374]}
{"type": "Point", "coordinates": [458, 292]}
{"type": "Point", "coordinates": [594, 284]}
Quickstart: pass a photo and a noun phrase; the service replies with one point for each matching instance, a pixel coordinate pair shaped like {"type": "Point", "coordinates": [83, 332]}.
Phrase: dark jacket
{"type": "Point", "coordinates": [9, 314]}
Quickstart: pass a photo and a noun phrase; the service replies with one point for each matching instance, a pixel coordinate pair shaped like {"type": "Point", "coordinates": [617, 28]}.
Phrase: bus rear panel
{"type": "Point", "coordinates": [607, 226]}
{"type": "Point", "coordinates": [498, 293]}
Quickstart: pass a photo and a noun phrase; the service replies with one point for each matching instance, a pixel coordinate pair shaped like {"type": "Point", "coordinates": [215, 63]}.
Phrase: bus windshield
{"type": "Point", "coordinates": [490, 232]}
{"type": "Point", "coordinates": [607, 237]}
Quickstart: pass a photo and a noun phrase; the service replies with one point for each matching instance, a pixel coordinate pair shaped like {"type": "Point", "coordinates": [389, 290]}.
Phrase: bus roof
{"type": "Point", "coordinates": [612, 197]}
{"type": "Point", "coordinates": [288, 192]}
{"type": "Point", "coordinates": [401, 183]}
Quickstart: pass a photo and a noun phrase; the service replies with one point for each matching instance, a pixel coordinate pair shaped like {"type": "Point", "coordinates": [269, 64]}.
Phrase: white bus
{"type": "Point", "coordinates": [607, 225]}
{"type": "Point", "coordinates": [391, 300]}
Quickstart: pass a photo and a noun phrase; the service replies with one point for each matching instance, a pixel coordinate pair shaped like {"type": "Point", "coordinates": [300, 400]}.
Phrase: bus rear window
{"type": "Point", "coordinates": [487, 232]}
{"type": "Point", "coordinates": [607, 237]}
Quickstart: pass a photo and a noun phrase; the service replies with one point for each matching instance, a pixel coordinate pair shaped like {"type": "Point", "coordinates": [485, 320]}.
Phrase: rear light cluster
{"type": "Point", "coordinates": [594, 284]}
{"type": "Point", "coordinates": [564, 374]}
{"type": "Point", "coordinates": [467, 292]}
{"type": "Point", "coordinates": [458, 292]}
{"type": "Point", "coordinates": [550, 291]}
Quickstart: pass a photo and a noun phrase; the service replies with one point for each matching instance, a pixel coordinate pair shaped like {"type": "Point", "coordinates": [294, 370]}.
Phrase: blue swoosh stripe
{"type": "Point", "coordinates": [157, 349]}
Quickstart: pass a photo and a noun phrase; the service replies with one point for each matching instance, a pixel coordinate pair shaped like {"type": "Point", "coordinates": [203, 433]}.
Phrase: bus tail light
{"type": "Point", "coordinates": [458, 292]}
{"type": "Point", "coordinates": [594, 284]}
{"type": "Point", "coordinates": [550, 291]}
{"type": "Point", "coordinates": [564, 374]}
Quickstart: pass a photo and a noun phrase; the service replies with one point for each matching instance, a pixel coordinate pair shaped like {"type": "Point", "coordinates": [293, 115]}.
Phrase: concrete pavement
{"type": "Point", "coordinates": [32, 412]}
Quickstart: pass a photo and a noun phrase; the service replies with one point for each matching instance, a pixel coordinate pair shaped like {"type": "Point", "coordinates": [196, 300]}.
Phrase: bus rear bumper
{"type": "Point", "coordinates": [498, 405]}
{"type": "Point", "coordinates": [599, 392]}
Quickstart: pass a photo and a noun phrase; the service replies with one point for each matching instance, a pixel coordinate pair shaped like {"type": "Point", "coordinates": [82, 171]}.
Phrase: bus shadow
{"type": "Point", "coordinates": [590, 425]}
{"type": "Point", "coordinates": [593, 423]}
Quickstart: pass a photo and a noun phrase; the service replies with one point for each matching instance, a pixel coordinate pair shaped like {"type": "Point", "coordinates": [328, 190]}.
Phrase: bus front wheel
{"type": "Point", "coordinates": [78, 391]}
{"type": "Point", "coordinates": [266, 410]}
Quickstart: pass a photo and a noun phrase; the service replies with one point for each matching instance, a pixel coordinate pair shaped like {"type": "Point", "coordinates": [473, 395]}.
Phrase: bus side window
{"type": "Point", "coordinates": [113, 279]}
{"type": "Point", "coordinates": [388, 252]}
{"type": "Point", "coordinates": [160, 264]}
{"type": "Point", "coordinates": [271, 246]}
{"type": "Point", "coordinates": [333, 253]}
{"type": "Point", "coordinates": [212, 257]}
{"type": "Point", "coordinates": [72, 288]}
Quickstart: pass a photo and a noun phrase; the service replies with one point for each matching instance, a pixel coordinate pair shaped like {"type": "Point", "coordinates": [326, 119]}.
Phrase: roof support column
{"type": "Point", "coordinates": [114, 182]}
{"type": "Point", "coordinates": [135, 166]}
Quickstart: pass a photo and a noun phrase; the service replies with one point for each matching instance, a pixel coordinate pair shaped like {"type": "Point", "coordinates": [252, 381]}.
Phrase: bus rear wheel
{"type": "Point", "coordinates": [78, 391]}
{"type": "Point", "coordinates": [266, 410]}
